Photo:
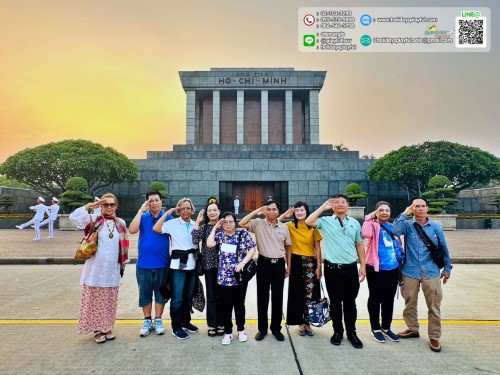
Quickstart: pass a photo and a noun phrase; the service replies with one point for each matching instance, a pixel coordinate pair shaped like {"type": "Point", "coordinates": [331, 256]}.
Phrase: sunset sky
{"type": "Point", "coordinates": [107, 71]}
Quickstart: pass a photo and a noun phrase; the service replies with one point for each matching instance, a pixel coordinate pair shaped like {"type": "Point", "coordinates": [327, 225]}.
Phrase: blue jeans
{"type": "Point", "coordinates": [149, 281]}
{"type": "Point", "coordinates": [182, 292]}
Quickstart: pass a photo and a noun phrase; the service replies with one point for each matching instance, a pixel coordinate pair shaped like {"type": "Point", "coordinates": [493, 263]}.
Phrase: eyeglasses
{"type": "Point", "coordinates": [184, 208]}
{"type": "Point", "coordinates": [229, 222]}
{"type": "Point", "coordinates": [109, 205]}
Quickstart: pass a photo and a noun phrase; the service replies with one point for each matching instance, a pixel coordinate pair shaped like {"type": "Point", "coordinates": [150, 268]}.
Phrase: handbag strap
{"type": "Point", "coordinates": [393, 237]}
{"type": "Point", "coordinates": [91, 230]}
{"type": "Point", "coordinates": [238, 244]}
{"type": "Point", "coordinates": [424, 237]}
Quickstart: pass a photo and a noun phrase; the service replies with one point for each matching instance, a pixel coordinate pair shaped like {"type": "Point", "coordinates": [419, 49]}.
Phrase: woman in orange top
{"type": "Point", "coordinates": [304, 267]}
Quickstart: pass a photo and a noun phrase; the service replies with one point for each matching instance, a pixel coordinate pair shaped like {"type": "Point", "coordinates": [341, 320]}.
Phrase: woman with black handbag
{"type": "Point", "coordinates": [384, 256]}
{"type": "Point", "coordinates": [209, 263]}
{"type": "Point", "coordinates": [304, 268]}
{"type": "Point", "coordinates": [236, 249]}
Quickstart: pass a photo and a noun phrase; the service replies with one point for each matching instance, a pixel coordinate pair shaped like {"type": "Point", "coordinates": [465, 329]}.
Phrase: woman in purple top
{"type": "Point", "coordinates": [236, 248]}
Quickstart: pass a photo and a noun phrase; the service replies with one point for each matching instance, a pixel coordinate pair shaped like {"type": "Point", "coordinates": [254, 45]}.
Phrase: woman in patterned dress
{"type": "Point", "coordinates": [102, 272]}
{"type": "Point", "coordinates": [236, 248]}
{"type": "Point", "coordinates": [304, 267]}
{"type": "Point", "coordinates": [210, 261]}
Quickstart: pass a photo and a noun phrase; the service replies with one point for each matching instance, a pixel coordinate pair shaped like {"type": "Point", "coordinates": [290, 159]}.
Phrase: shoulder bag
{"type": "Point", "coordinates": [249, 269]}
{"type": "Point", "coordinates": [88, 245]}
{"type": "Point", "coordinates": [319, 311]}
{"type": "Point", "coordinates": [437, 252]}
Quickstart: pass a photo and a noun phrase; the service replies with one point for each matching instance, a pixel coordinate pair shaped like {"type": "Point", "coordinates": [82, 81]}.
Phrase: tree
{"type": "Point", "coordinates": [353, 192]}
{"type": "Point", "coordinates": [6, 182]}
{"type": "Point", "coordinates": [47, 168]}
{"type": "Point", "coordinates": [75, 195]}
{"type": "Point", "coordinates": [340, 147]}
{"type": "Point", "coordinates": [160, 187]}
{"type": "Point", "coordinates": [6, 202]}
{"type": "Point", "coordinates": [411, 167]}
{"type": "Point", "coordinates": [440, 195]}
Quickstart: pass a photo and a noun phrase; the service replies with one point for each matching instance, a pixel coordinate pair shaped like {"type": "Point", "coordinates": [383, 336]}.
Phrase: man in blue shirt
{"type": "Point", "coordinates": [420, 270]}
{"type": "Point", "coordinates": [342, 247]}
{"type": "Point", "coordinates": [152, 260]}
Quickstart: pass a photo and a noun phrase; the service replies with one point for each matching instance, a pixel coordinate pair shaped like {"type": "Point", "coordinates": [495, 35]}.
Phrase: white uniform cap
{"type": "Point", "coordinates": [96, 199]}
{"type": "Point", "coordinates": [55, 199]}
{"type": "Point", "coordinates": [41, 199]}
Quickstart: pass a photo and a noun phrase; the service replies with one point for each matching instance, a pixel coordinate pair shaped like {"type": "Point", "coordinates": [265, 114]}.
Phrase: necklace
{"type": "Point", "coordinates": [110, 230]}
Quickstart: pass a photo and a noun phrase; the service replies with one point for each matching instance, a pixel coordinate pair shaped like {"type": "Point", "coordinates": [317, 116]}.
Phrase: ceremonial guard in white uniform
{"type": "Point", "coordinates": [40, 211]}
{"type": "Point", "coordinates": [54, 213]}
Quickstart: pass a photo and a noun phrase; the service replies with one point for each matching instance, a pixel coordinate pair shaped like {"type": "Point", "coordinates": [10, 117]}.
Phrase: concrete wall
{"type": "Point", "coordinates": [313, 173]}
{"type": "Point", "coordinates": [476, 201]}
{"type": "Point", "coordinates": [24, 198]}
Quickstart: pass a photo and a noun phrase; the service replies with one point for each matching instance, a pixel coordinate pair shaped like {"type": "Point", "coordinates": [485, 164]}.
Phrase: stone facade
{"type": "Point", "coordinates": [311, 173]}
{"type": "Point", "coordinates": [253, 133]}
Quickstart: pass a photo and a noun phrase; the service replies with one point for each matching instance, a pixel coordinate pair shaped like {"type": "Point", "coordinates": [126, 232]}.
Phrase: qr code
{"type": "Point", "coordinates": [471, 32]}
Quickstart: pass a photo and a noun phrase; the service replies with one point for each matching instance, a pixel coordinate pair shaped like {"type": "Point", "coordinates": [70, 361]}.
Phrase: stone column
{"type": "Point", "coordinates": [216, 117]}
{"type": "Point", "coordinates": [240, 117]}
{"type": "Point", "coordinates": [264, 117]}
{"type": "Point", "coordinates": [288, 117]}
{"type": "Point", "coordinates": [190, 117]}
{"type": "Point", "coordinates": [314, 116]}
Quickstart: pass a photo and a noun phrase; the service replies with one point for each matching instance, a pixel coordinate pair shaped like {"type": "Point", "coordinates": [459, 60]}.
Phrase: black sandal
{"type": "Point", "coordinates": [212, 332]}
{"type": "Point", "coordinates": [220, 331]}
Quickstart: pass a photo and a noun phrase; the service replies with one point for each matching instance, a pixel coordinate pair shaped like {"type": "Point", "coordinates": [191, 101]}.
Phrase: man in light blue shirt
{"type": "Point", "coordinates": [342, 247]}
{"type": "Point", "coordinates": [420, 270]}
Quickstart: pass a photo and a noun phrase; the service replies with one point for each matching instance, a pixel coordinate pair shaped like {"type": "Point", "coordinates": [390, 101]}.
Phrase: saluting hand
{"type": "Point", "coordinates": [201, 214]}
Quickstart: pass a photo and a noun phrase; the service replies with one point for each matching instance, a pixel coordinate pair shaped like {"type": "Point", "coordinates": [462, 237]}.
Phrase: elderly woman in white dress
{"type": "Point", "coordinates": [102, 272]}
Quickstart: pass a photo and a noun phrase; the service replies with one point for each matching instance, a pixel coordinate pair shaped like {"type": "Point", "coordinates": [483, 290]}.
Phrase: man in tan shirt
{"type": "Point", "coordinates": [273, 239]}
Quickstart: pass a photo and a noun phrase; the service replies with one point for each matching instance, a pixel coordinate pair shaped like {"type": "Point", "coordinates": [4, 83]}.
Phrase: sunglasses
{"type": "Point", "coordinates": [109, 205]}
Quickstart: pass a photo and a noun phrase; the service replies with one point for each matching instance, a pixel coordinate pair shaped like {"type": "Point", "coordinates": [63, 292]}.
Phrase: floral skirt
{"type": "Point", "coordinates": [303, 287]}
{"type": "Point", "coordinates": [97, 309]}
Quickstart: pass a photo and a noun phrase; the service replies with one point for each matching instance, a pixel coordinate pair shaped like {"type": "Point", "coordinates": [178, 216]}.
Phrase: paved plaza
{"type": "Point", "coordinates": [40, 303]}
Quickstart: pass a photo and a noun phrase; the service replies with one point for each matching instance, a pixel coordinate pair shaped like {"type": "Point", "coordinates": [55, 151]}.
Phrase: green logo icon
{"type": "Point", "coordinates": [309, 40]}
{"type": "Point", "coordinates": [366, 40]}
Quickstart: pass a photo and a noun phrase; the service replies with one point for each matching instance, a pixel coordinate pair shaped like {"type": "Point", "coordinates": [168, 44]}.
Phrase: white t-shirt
{"type": "Point", "coordinates": [181, 239]}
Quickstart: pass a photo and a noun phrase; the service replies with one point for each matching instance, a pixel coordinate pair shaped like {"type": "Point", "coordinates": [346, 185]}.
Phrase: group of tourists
{"type": "Point", "coordinates": [175, 248]}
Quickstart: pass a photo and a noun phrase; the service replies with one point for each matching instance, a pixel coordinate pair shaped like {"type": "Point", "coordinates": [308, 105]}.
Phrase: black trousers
{"type": "Point", "coordinates": [233, 297]}
{"type": "Point", "coordinates": [382, 286]}
{"type": "Point", "coordinates": [343, 287]}
{"type": "Point", "coordinates": [270, 276]}
{"type": "Point", "coordinates": [214, 318]}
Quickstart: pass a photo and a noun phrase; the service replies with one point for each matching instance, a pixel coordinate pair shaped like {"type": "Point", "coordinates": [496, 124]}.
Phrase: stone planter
{"type": "Point", "coordinates": [448, 222]}
{"type": "Point", "coordinates": [356, 212]}
{"type": "Point", "coordinates": [65, 223]}
{"type": "Point", "coordinates": [495, 223]}
{"type": "Point", "coordinates": [471, 223]}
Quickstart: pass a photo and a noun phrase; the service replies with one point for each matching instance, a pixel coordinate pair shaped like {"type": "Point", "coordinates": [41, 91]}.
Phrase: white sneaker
{"type": "Point", "coordinates": [242, 337]}
{"type": "Point", "coordinates": [146, 328]}
{"type": "Point", "coordinates": [19, 227]}
{"type": "Point", "coordinates": [226, 340]}
{"type": "Point", "coordinates": [159, 328]}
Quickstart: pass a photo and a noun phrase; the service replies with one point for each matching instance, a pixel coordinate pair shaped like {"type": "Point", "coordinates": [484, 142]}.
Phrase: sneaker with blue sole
{"type": "Point", "coordinates": [391, 335]}
{"type": "Point", "coordinates": [159, 328]}
{"type": "Point", "coordinates": [180, 334]}
{"type": "Point", "coordinates": [146, 328]}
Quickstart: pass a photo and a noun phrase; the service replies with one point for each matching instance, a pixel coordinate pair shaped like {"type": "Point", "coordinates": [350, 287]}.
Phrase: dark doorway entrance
{"type": "Point", "coordinates": [252, 195]}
